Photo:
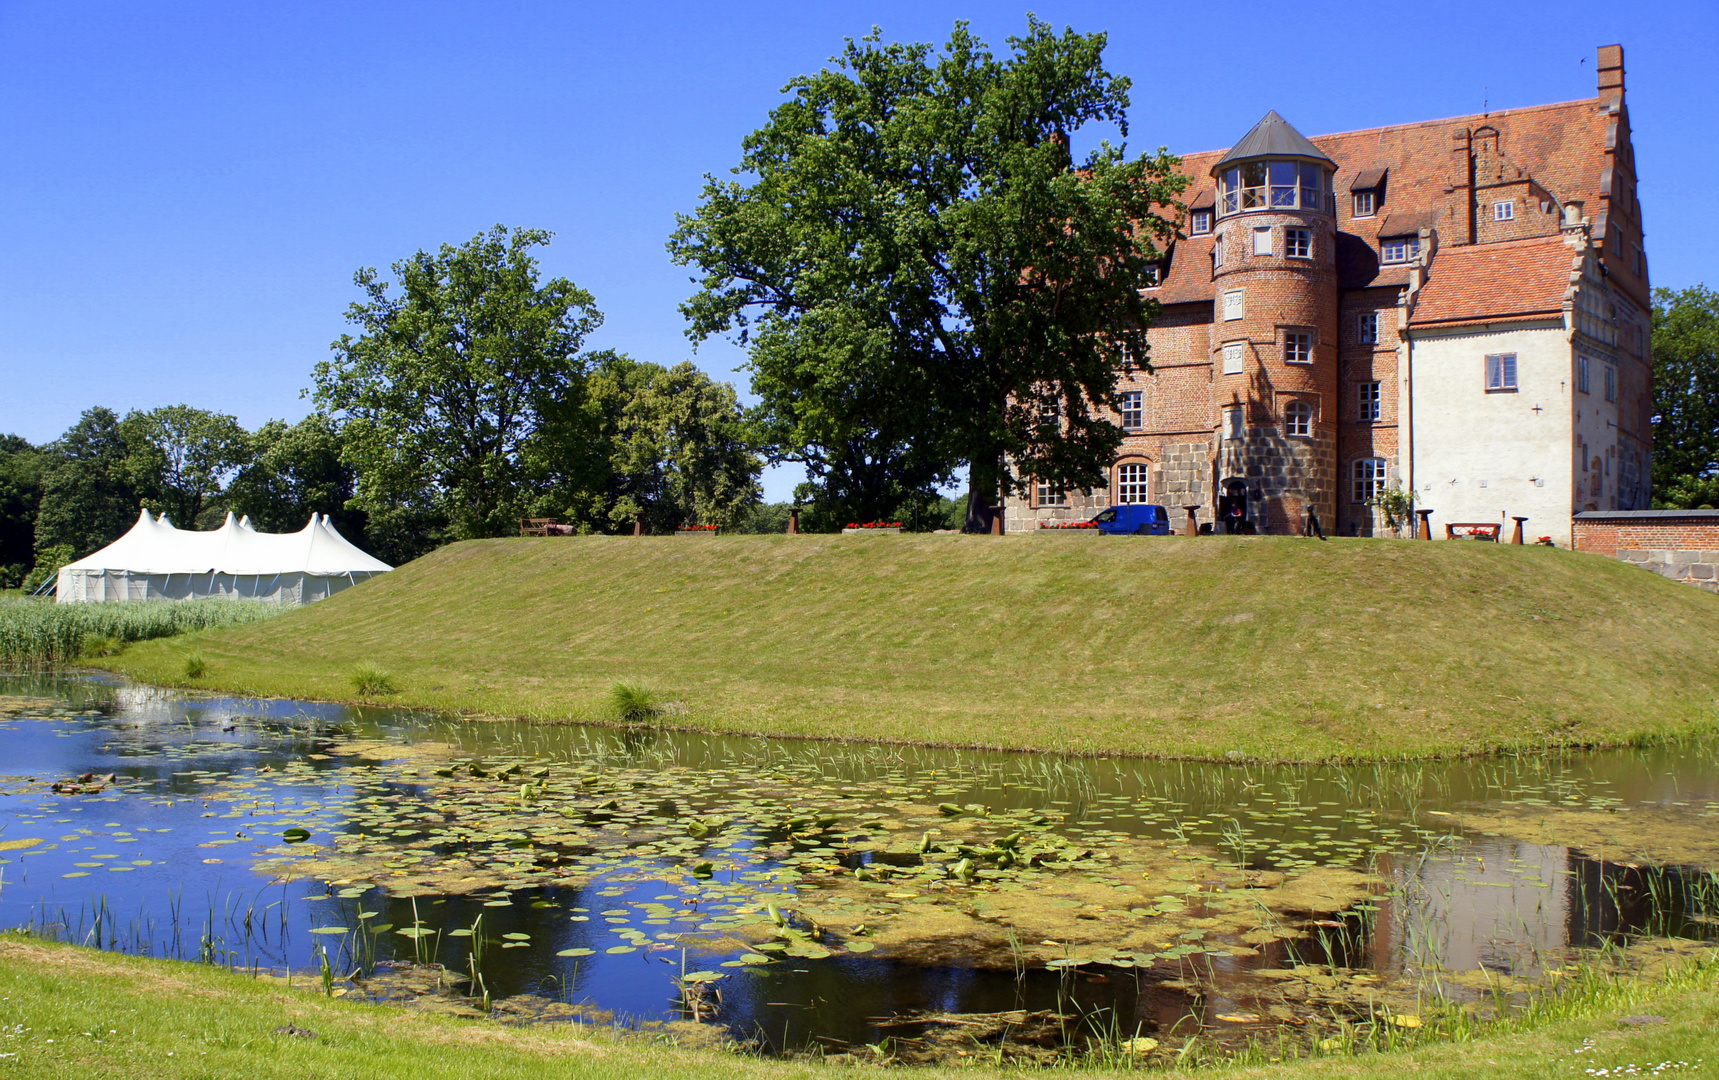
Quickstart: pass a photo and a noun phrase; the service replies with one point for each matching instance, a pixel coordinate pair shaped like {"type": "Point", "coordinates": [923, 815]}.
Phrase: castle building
{"type": "Point", "coordinates": [1455, 307]}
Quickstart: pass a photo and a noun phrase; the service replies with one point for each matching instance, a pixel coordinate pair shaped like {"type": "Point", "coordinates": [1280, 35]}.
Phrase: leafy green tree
{"type": "Point", "coordinates": [181, 458]}
{"type": "Point", "coordinates": [89, 494]}
{"type": "Point", "coordinates": [296, 471]}
{"type": "Point", "coordinates": [675, 444]}
{"type": "Point", "coordinates": [21, 472]}
{"type": "Point", "coordinates": [1685, 397]}
{"type": "Point", "coordinates": [447, 397]}
{"type": "Point", "coordinates": [925, 278]}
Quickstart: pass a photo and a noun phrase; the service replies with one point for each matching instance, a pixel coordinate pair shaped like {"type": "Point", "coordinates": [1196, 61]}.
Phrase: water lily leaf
{"type": "Point", "coordinates": [296, 836]}
{"type": "Point", "coordinates": [618, 949]}
{"type": "Point", "coordinates": [576, 952]}
{"type": "Point", "coordinates": [517, 937]}
{"type": "Point", "coordinates": [329, 930]}
{"type": "Point", "coordinates": [859, 946]}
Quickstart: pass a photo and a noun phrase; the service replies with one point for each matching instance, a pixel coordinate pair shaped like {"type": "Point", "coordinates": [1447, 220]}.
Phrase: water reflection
{"type": "Point", "coordinates": [164, 863]}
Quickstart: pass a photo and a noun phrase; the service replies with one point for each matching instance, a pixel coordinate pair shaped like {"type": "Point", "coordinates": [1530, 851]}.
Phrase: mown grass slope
{"type": "Point", "coordinates": [1272, 648]}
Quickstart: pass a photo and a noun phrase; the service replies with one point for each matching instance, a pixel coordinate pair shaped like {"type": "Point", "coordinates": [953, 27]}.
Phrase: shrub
{"type": "Point", "coordinates": [371, 681]}
{"type": "Point", "coordinates": [98, 645]}
{"type": "Point", "coordinates": [634, 704]}
{"type": "Point", "coordinates": [195, 666]}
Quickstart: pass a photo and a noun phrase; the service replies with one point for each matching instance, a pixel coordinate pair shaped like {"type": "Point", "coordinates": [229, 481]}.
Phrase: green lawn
{"type": "Point", "coordinates": [1273, 648]}
{"type": "Point", "coordinates": [70, 1012]}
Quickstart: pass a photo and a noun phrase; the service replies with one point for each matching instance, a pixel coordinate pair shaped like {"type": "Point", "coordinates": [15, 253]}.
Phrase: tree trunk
{"type": "Point", "coordinates": [984, 495]}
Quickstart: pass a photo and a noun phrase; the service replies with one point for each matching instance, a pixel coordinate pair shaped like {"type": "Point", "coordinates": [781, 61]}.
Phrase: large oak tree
{"type": "Point", "coordinates": [925, 277]}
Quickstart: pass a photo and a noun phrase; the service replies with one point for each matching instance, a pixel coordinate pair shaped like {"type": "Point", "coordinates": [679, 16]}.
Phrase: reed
{"type": "Point", "coordinates": [42, 632]}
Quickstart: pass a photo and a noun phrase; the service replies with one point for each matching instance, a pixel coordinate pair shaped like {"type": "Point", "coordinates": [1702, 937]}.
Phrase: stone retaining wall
{"type": "Point", "coordinates": [1682, 545]}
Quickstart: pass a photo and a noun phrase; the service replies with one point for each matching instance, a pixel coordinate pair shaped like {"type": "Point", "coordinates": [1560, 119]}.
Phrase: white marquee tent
{"type": "Point", "coordinates": [155, 561]}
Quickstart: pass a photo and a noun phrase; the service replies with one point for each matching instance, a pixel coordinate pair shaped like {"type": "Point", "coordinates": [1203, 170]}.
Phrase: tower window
{"type": "Point", "coordinates": [1283, 183]}
{"type": "Point", "coordinates": [1298, 243]}
{"type": "Point", "coordinates": [1234, 305]}
{"type": "Point", "coordinates": [1582, 375]}
{"type": "Point", "coordinates": [1504, 211]}
{"type": "Point", "coordinates": [1367, 328]}
{"type": "Point", "coordinates": [1363, 204]}
{"type": "Point", "coordinates": [1232, 421]}
{"type": "Point", "coordinates": [1501, 372]}
{"type": "Point", "coordinates": [1298, 347]}
{"type": "Point", "coordinates": [1233, 354]}
{"type": "Point", "coordinates": [1369, 480]}
{"type": "Point", "coordinates": [1133, 410]}
{"type": "Point", "coordinates": [1131, 483]}
{"type": "Point", "coordinates": [1200, 222]}
{"type": "Point", "coordinates": [1262, 240]}
{"type": "Point", "coordinates": [1400, 249]}
{"type": "Point", "coordinates": [1367, 402]}
{"type": "Point", "coordinates": [1298, 420]}
{"type": "Point", "coordinates": [1218, 251]}
{"type": "Point", "coordinates": [1277, 185]}
{"type": "Point", "coordinates": [1611, 383]}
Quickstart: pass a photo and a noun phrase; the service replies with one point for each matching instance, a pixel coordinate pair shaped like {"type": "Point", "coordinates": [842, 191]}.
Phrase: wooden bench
{"type": "Point", "coordinates": [537, 526]}
{"type": "Point", "coordinates": [1475, 528]}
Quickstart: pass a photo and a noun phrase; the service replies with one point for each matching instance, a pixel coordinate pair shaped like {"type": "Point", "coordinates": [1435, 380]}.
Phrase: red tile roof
{"type": "Point", "coordinates": [1480, 281]}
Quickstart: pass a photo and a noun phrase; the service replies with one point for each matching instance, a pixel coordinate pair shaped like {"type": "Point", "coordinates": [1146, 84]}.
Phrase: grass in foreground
{"type": "Point", "coordinates": [66, 1011]}
{"type": "Point", "coordinates": [1268, 648]}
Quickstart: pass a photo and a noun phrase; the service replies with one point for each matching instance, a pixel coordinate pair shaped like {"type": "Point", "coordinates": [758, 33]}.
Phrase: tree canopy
{"type": "Point", "coordinates": [1686, 397]}
{"type": "Point", "coordinates": [924, 276]}
{"type": "Point", "coordinates": [181, 458]}
{"type": "Point", "coordinates": [460, 382]}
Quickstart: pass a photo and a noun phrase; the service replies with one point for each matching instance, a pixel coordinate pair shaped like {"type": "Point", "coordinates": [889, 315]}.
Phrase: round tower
{"type": "Point", "coordinates": [1274, 355]}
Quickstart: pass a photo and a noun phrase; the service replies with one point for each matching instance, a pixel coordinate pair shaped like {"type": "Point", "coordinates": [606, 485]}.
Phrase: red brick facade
{"type": "Point", "coordinates": [1436, 225]}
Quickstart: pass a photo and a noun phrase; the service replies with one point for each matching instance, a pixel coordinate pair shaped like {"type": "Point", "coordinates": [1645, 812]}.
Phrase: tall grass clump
{"type": "Point", "coordinates": [34, 631]}
{"type": "Point", "coordinates": [371, 681]}
{"type": "Point", "coordinates": [634, 704]}
{"type": "Point", "coordinates": [196, 666]}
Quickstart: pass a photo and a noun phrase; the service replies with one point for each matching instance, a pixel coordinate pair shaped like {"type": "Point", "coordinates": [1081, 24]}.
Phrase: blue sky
{"type": "Point", "coordinates": [187, 188]}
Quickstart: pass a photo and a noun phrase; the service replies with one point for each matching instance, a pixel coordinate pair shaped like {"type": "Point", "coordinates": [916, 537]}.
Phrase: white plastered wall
{"type": "Point", "coordinates": [1481, 456]}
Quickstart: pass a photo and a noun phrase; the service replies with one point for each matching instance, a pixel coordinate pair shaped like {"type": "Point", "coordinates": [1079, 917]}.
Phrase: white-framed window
{"type": "Point", "coordinates": [1132, 483]}
{"type": "Point", "coordinates": [1049, 412]}
{"type": "Point", "coordinates": [1364, 203]}
{"type": "Point", "coordinates": [1049, 494]}
{"type": "Point", "coordinates": [1400, 249]}
{"type": "Point", "coordinates": [1297, 347]}
{"type": "Point", "coordinates": [1233, 421]}
{"type": "Point", "coordinates": [1504, 211]}
{"type": "Point", "coordinates": [1368, 480]}
{"type": "Point", "coordinates": [1298, 243]}
{"type": "Point", "coordinates": [1235, 303]}
{"type": "Point", "coordinates": [1501, 371]}
{"type": "Point", "coordinates": [1611, 383]}
{"type": "Point", "coordinates": [1218, 250]}
{"type": "Point", "coordinates": [1298, 420]}
{"type": "Point", "coordinates": [1234, 353]}
{"type": "Point", "coordinates": [1367, 328]}
{"type": "Point", "coordinates": [1200, 222]}
{"type": "Point", "coordinates": [1582, 375]}
{"type": "Point", "coordinates": [1262, 240]}
{"type": "Point", "coordinates": [1154, 275]}
{"type": "Point", "coordinates": [1367, 402]}
{"type": "Point", "coordinates": [1133, 409]}
{"type": "Point", "coordinates": [1265, 185]}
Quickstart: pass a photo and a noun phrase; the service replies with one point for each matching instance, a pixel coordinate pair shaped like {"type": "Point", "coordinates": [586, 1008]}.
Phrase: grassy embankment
{"type": "Point", "coordinates": [1273, 648]}
{"type": "Point", "coordinates": [66, 1011]}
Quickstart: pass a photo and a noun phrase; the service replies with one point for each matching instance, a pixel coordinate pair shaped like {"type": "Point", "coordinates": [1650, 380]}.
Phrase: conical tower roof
{"type": "Point", "coordinates": [1272, 137]}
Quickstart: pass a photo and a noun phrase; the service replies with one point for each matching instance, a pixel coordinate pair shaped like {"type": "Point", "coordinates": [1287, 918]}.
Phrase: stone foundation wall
{"type": "Point", "coordinates": [1184, 478]}
{"type": "Point", "coordinates": [1682, 545]}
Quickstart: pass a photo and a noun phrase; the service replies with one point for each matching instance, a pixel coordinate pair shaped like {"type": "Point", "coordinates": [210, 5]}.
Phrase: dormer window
{"type": "Point", "coordinates": [1200, 222]}
{"type": "Point", "coordinates": [1364, 204]}
{"type": "Point", "coordinates": [1504, 211]}
{"type": "Point", "coordinates": [1400, 249]}
{"type": "Point", "coordinates": [1154, 275]}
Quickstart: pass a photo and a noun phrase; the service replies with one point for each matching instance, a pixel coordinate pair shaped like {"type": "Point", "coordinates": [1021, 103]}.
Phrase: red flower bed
{"type": "Point", "coordinates": [697, 528]}
{"type": "Point", "coordinates": [1068, 524]}
{"type": "Point", "coordinates": [875, 525]}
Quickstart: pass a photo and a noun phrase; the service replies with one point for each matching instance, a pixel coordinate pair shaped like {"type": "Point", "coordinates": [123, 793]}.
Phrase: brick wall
{"type": "Point", "coordinates": [1679, 544]}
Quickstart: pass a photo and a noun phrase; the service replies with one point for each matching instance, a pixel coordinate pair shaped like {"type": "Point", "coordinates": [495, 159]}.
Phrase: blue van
{"type": "Point", "coordinates": [1134, 519]}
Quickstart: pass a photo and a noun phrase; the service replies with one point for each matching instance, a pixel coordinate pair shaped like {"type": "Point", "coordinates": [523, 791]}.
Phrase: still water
{"type": "Point", "coordinates": [798, 895]}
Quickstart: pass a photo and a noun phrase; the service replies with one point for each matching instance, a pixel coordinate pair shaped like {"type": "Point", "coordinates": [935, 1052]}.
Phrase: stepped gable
{"type": "Point", "coordinates": [1479, 282]}
{"type": "Point", "coordinates": [1559, 149]}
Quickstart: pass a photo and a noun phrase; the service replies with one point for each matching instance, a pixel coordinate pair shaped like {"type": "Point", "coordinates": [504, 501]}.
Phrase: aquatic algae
{"type": "Point", "coordinates": [1641, 835]}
